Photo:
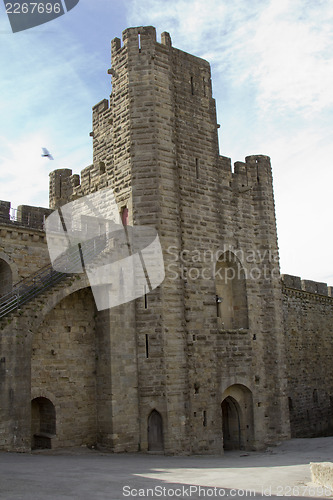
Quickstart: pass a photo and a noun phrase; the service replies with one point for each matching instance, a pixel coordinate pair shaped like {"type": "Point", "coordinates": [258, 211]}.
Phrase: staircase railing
{"type": "Point", "coordinates": [46, 277]}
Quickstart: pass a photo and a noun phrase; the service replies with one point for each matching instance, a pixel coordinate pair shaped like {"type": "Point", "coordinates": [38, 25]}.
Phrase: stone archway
{"type": "Point", "coordinates": [155, 432]}
{"type": "Point", "coordinates": [43, 423]}
{"type": "Point", "coordinates": [237, 418]}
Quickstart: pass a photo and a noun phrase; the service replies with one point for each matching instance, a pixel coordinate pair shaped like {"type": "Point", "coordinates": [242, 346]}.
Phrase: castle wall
{"type": "Point", "coordinates": [63, 368]}
{"type": "Point", "coordinates": [17, 331]}
{"type": "Point", "coordinates": [24, 215]}
{"type": "Point", "coordinates": [248, 228]}
{"type": "Point", "coordinates": [308, 319]}
{"type": "Point", "coordinates": [24, 249]}
{"type": "Point", "coordinates": [219, 347]}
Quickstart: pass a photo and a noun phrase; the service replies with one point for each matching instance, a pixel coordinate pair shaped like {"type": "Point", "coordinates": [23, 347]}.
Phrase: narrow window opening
{"type": "Point", "coordinates": [218, 306]}
{"type": "Point", "coordinates": [204, 423]}
{"type": "Point", "coordinates": [315, 396]}
{"type": "Point", "coordinates": [290, 404]}
{"type": "Point", "coordinates": [194, 338]}
{"type": "Point", "coordinates": [204, 87]}
{"type": "Point", "coordinates": [197, 168]}
{"type": "Point", "coordinates": [101, 167]}
{"type": "Point", "coordinates": [147, 346]}
{"type": "Point", "coordinates": [196, 388]}
{"type": "Point", "coordinates": [124, 216]}
{"type": "Point", "coordinates": [145, 297]}
{"type": "Point", "coordinates": [192, 85]}
{"type": "Point", "coordinates": [139, 41]}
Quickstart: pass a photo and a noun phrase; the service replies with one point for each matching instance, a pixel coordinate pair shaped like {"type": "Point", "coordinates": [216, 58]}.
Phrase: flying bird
{"type": "Point", "coordinates": [47, 154]}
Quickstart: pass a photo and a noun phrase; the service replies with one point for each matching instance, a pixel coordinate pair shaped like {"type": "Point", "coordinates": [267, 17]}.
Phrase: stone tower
{"type": "Point", "coordinates": [198, 364]}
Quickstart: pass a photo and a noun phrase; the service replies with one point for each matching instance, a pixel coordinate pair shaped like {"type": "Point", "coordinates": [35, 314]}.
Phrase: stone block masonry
{"type": "Point", "coordinates": [155, 143]}
{"type": "Point", "coordinates": [308, 320]}
{"type": "Point", "coordinates": [207, 361]}
{"type": "Point", "coordinates": [322, 473]}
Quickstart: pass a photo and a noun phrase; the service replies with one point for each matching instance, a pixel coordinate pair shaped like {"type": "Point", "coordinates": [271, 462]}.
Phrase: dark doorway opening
{"type": "Point", "coordinates": [231, 427]}
{"type": "Point", "coordinates": [155, 432]}
{"type": "Point", "coordinates": [43, 423]}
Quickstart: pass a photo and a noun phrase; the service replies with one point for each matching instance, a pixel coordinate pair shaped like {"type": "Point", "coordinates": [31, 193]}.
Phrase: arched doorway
{"type": "Point", "coordinates": [155, 432]}
{"type": "Point", "coordinates": [237, 418]}
{"type": "Point", "coordinates": [43, 423]}
{"type": "Point", "coordinates": [231, 424]}
{"type": "Point", "coordinates": [6, 279]}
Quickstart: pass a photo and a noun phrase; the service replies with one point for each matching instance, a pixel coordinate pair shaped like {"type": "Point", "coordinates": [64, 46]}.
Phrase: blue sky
{"type": "Point", "coordinates": [272, 67]}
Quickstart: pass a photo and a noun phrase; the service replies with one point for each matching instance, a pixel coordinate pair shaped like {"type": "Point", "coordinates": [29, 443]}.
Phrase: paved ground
{"type": "Point", "coordinates": [91, 475]}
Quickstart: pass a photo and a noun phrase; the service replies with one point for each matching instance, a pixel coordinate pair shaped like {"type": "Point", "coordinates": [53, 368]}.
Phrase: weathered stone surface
{"type": "Point", "coordinates": [322, 473]}
{"type": "Point", "coordinates": [308, 320]}
{"type": "Point", "coordinates": [208, 359]}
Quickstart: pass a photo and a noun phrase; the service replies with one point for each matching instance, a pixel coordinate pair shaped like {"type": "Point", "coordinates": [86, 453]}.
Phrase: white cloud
{"type": "Point", "coordinates": [284, 47]}
{"type": "Point", "coordinates": [293, 48]}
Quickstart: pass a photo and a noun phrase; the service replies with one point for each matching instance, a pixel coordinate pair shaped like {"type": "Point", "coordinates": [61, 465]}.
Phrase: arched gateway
{"type": "Point", "coordinates": [237, 418]}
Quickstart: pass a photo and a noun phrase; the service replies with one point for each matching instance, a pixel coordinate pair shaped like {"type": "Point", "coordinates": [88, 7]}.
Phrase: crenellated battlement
{"type": "Point", "coordinates": [297, 283]}
{"type": "Point", "coordinates": [255, 170]}
{"type": "Point", "coordinates": [139, 37]}
{"type": "Point", "coordinates": [66, 186]}
{"type": "Point", "coordinates": [23, 215]}
{"type": "Point", "coordinates": [144, 37]}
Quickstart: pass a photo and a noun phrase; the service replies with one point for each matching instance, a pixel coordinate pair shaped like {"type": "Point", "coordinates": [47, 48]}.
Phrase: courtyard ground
{"type": "Point", "coordinates": [86, 474]}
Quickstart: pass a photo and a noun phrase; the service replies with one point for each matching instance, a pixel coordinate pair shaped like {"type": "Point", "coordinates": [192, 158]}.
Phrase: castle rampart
{"type": "Point", "coordinates": [210, 359]}
{"type": "Point", "coordinates": [23, 248]}
{"type": "Point", "coordinates": [296, 283]}
{"type": "Point", "coordinates": [308, 319]}
{"type": "Point", "coordinates": [24, 215]}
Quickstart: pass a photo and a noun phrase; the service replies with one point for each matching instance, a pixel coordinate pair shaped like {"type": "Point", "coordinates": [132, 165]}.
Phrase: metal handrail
{"type": "Point", "coordinates": [47, 276]}
{"type": "Point", "coordinates": [30, 221]}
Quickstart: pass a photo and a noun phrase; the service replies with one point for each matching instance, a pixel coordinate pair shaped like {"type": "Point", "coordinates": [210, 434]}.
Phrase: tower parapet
{"type": "Point", "coordinates": [62, 186]}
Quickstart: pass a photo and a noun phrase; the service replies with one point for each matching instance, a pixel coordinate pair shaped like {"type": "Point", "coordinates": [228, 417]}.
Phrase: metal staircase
{"type": "Point", "coordinates": [37, 283]}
